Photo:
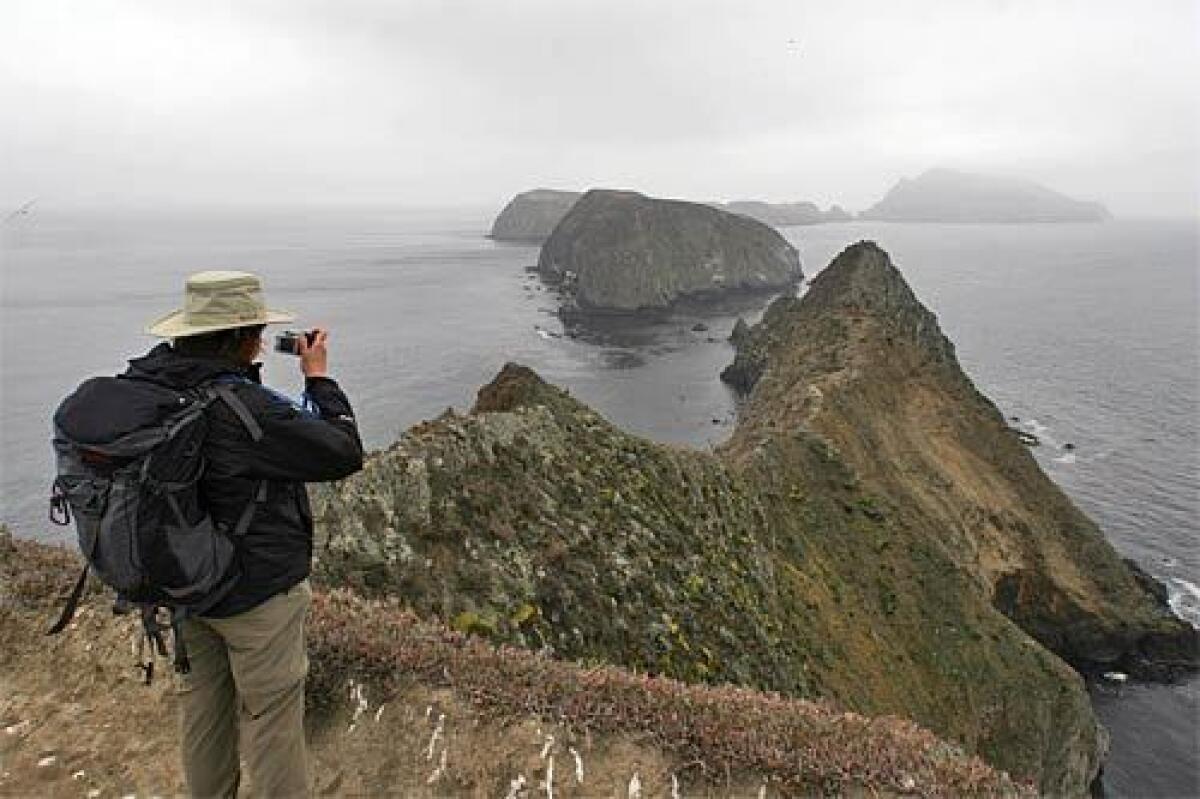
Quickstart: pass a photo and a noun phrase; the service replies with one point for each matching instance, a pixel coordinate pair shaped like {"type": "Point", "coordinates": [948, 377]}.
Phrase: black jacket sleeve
{"type": "Point", "coordinates": [297, 445]}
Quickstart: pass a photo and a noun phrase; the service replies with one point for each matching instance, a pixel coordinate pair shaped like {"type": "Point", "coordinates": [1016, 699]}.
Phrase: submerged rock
{"type": "Point", "coordinates": [619, 251]}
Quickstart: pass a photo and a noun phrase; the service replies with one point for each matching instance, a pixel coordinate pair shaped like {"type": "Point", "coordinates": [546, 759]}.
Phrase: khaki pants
{"type": "Point", "coordinates": [245, 693]}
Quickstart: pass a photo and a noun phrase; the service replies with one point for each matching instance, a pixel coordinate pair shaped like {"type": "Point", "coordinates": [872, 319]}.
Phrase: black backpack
{"type": "Point", "coordinates": [129, 460]}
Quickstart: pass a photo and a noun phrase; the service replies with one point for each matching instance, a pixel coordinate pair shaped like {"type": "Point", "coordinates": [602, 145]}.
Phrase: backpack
{"type": "Point", "coordinates": [129, 456]}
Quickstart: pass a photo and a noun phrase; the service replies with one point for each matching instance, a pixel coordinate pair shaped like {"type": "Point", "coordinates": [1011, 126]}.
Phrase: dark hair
{"type": "Point", "coordinates": [218, 344]}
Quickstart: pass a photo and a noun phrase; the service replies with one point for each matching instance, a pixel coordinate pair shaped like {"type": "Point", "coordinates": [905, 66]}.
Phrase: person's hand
{"type": "Point", "coordinates": [314, 358]}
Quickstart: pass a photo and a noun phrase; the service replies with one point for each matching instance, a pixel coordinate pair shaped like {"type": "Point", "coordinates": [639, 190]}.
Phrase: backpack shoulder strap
{"type": "Point", "coordinates": [243, 522]}
{"type": "Point", "coordinates": [225, 393]}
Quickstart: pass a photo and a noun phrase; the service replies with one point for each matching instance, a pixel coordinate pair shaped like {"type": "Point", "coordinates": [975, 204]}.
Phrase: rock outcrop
{"type": "Point", "coordinates": [786, 214]}
{"type": "Point", "coordinates": [532, 215]}
{"type": "Point", "coordinates": [619, 251]}
{"type": "Point", "coordinates": [944, 195]}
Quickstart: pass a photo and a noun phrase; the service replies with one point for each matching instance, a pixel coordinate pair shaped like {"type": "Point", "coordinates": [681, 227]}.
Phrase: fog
{"type": "Point", "coordinates": [465, 102]}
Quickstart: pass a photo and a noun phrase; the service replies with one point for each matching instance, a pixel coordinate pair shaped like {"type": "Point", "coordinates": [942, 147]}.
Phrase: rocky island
{"type": "Point", "coordinates": [532, 215]}
{"type": "Point", "coordinates": [623, 252]}
{"type": "Point", "coordinates": [944, 195]}
{"type": "Point", "coordinates": [869, 552]}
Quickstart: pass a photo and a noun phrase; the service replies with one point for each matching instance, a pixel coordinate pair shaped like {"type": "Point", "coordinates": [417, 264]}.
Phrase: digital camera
{"type": "Point", "coordinates": [289, 341]}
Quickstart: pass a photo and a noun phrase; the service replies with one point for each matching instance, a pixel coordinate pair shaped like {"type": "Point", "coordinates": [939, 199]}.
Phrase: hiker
{"type": "Point", "coordinates": [244, 691]}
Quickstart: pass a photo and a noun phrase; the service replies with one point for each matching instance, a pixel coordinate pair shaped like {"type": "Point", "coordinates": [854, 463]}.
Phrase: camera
{"type": "Point", "coordinates": [289, 341]}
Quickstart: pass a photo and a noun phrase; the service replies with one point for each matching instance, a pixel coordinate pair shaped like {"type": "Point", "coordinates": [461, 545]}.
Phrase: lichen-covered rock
{"type": "Point", "coordinates": [622, 251]}
{"type": "Point", "coordinates": [531, 215]}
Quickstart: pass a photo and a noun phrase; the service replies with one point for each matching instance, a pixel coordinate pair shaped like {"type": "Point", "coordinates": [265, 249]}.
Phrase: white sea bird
{"type": "Point", "coordinates": [635, 786]}
{"type": "Point", "coordinates": [379, 713]}
{"type": "Point", "coordinates": [675, 787]}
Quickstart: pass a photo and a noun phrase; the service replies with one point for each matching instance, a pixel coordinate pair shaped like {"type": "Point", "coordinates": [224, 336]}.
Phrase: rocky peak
{"type": "Point", "coordinates": [513, 387]}
{"type": "Point", "coordinates": [862, 280]}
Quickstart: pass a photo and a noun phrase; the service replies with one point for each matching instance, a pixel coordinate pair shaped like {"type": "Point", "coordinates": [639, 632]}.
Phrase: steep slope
{"type": "Point", "coordinates": [620, 251]}
{"type": "Point", "coordinates": [862, 363]}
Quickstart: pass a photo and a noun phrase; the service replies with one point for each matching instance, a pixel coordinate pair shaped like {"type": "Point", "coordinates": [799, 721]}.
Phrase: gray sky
{"type": "Point", "coordinates": [441, 102]}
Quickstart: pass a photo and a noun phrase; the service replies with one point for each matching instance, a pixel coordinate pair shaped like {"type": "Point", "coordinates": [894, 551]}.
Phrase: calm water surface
{"type": "Point", "coordinates": [1087, 333]}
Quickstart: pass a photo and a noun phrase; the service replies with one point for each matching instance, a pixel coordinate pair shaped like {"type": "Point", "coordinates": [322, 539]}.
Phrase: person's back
{"type": "Point", "coordinates": [244, 693]}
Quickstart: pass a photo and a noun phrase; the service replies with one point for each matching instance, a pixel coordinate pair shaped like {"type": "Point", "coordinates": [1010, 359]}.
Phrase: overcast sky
{"type": "Point", "coordinates": [448, 102]}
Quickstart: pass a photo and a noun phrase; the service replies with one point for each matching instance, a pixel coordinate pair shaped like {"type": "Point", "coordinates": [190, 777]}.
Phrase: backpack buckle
{"type": "Point", "coordinates": [60, 508]}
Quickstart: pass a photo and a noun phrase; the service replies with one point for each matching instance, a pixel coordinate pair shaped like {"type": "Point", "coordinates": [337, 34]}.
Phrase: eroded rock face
{"type": "Point", "coordinates": [531, 215]}
{"type": "Point", "coordinates": [944, 195]}
{"type": "Point", "coordinates": [620, 251]}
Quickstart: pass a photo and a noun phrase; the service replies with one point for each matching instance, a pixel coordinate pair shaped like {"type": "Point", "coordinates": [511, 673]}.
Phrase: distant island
{"type": "Point", "coordinates": [620, 251]}
{"type": "Point", "coordinates": [944, 195]}
{"type": "Point", "coordinates": [787, 214]}
{"type": "Point", "coordinates": [531, 215]}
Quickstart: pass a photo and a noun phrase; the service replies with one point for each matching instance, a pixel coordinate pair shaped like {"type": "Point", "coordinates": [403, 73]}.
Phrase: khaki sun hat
{"type": "Point", "coordinates": [215, 301]}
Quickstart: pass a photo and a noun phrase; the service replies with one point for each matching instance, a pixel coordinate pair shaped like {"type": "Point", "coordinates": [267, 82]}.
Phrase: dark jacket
{"type": "Point", "coordinates": [296, 447]}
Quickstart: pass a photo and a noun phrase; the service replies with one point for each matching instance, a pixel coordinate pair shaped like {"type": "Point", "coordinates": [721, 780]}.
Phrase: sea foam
{"type": "Point", "coordinates": [1184, 598]}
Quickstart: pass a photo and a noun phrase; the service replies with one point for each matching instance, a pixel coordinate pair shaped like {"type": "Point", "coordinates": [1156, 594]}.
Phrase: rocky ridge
{"type": "Point", "coordinates": [860, 362]}
{"type": "Point", "coordinates": [871, 534]}
{"type": "Point", "coordinates": [623, 252]}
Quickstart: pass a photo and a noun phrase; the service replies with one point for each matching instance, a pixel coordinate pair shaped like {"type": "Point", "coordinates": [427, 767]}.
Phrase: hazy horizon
{"type": "Point", "coordinates": [122, 104]}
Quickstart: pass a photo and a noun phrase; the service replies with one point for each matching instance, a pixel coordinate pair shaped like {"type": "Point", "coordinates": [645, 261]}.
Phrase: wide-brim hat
{"type": "Point", "coordinates": [215, 301]}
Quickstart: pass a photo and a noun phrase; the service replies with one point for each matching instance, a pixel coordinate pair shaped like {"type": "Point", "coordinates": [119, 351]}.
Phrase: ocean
{"type": "Point", "coordinates": [1085, 333]}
